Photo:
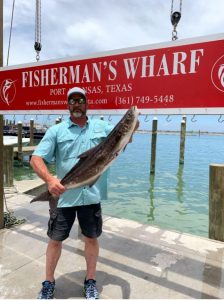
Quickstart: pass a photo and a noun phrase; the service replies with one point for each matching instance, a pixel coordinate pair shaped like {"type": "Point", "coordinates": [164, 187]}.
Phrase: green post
{"type": "Point", "coordinates": [153, 146]}
{"type": "Point", "coordinates": [182, 141]}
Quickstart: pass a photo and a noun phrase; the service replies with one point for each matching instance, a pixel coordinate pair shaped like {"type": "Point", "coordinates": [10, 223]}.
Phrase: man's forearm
{"type": "Point", "coordinates": [39, 167]}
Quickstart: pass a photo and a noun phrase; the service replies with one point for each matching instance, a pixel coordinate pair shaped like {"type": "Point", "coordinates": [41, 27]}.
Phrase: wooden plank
{"type": "Point", "coordinates": [27, 150]}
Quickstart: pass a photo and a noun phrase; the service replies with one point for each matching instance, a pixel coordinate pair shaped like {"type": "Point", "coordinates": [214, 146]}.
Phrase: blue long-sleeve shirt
{"type": "Point", "coordinates": [63, 143]}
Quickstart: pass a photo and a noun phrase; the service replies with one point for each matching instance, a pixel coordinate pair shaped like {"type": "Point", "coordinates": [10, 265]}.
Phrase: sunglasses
{"type": "Point", "coordinates": [79, 100]}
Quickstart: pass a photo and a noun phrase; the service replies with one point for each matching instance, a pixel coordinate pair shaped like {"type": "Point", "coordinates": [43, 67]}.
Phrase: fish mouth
{"type": "Point", "coordinates": [135, 108]}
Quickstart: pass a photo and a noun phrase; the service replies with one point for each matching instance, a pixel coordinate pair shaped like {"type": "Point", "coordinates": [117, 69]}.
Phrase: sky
{"type": "Point", "coordinates": [82, 27]}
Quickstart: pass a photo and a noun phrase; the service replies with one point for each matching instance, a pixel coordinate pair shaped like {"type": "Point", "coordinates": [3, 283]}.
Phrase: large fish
{"type": "Point", "coordinates": [96, 160]}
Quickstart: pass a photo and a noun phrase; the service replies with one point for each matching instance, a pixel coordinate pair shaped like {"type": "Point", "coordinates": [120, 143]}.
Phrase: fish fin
{"type": "Point", "coordinates": [53, 203]}
{"type": "Point", "coordinates": [75, 167]}
{"type": "Point", "coordinates": [94, 181]}
{"type": "Point", "coordinates": [45, 196]}
{"type": "Point", "coordinates": [88, 152]}
{"type": "Point", "coordinates": [82, 158]}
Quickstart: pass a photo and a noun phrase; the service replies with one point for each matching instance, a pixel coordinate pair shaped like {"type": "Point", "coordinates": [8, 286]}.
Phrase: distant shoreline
{"type": "Point", "coordinates": [173, 132]}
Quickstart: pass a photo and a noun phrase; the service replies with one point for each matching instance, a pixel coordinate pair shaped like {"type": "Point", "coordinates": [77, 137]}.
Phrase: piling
{"type": "Point", "coordinates": [20, 136]}
{"type": "Point", "coordinates": [153, 146]}
{"type": "Point", "coordinates": [184, 118]}
{"type": "Point", "coordinates": [8, 165]}
{"type": "Point", "coordinates": [180, 183]}
{"type": "Point", "coordinates": [150, 215]}
{"type": "Point", "coordinates": [31, 132]}
{"type": "Point", "coordinates": [216, 202]}
{"type": "Point", "coordinates": [182, 141]}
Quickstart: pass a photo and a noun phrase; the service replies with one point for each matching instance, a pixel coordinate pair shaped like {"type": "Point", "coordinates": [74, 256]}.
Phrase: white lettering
{"type": "Point", "coordinates": [74, 76]}
{"type": "Point", "coordinates": [54, 73]}
{"type": "Point", "coordinates": [112, 70]}
{"type": "Point", "coordinates": [62, 75]}
{"type": "Point", "coordinates": [45, 77]}
{"type": "Point", "coordinates": [25, 76]}
{"type": "Point", "coordinates": [131, 65]}
{"type": "Point", "coordinates": [179, 62]}
{"type": "Point", "coordinates": [85, 76]}
{"type": "Point", "coordinates": [163, 66]}
{"type": "Point", "coordinates": [57, 91]}
{"type": "Point", "coordinates": [150, 66]}
{"type": "Point", "coordinates": [195, 60]}
{"type": "Point", "coordinates": [36, 78]}
{"type": "Point", "coordinates": [96, 71]}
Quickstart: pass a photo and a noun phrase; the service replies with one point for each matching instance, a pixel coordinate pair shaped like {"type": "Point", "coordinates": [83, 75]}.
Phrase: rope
{"type": "Point", "coordinates": [37, 44]}
{"type": "Point", "coordinates": [9, 218]}
{"type": "Point", "coordinates": [10, 33]}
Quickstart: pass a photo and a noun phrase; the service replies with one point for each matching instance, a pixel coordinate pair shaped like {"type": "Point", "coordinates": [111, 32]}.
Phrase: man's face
{"type": "Point", "coordinates": [77, 105]}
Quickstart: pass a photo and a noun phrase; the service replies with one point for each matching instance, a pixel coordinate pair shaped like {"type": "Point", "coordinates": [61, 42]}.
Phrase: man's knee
{"type": "Point", "coordinates": [91, 241]}
{"type": "Point", "coordinates": [54, 244]}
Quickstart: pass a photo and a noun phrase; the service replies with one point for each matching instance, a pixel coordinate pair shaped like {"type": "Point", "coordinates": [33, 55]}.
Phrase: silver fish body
{"type": "Point", "coordinates": [96, 160]}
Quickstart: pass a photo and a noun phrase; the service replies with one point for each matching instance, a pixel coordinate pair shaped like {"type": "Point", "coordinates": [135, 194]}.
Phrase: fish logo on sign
{"type": "Point", "coordinates": [8, 91]}
{"type": "Point", "coordinates": [217, 74]}
{"type": "Point", "coordinates": [221, 74]}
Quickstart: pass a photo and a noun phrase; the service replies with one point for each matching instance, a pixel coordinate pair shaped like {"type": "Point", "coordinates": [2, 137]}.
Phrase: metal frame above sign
{"type": "Point", "coordinates": [178, 77]}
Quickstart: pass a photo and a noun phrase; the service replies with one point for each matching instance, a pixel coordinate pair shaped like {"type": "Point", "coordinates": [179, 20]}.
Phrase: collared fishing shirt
{"type": "Point", "coordinates": [63, 143]}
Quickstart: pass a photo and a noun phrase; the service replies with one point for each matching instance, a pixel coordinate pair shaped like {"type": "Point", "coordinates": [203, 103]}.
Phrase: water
{"type": "Point", "coordinates": [176, 197]}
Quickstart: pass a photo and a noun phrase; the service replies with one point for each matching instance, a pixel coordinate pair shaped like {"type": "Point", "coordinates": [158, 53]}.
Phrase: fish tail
{"type": "Point", "coordinates": [45, 196]}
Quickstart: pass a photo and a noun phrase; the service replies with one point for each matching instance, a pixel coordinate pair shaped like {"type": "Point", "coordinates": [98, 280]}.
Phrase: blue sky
{"type": "Point", "coordinates": [74, 27]}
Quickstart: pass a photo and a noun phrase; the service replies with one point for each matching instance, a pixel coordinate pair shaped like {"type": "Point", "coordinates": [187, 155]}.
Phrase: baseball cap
{"type": "Point", "coordinates": [76, 90]}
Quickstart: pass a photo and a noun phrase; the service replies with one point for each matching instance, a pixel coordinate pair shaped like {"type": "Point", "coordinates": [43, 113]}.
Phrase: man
{"type": "Point", "coordinates": [64, 142]}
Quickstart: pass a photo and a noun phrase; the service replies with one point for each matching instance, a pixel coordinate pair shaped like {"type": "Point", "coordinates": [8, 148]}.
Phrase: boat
{"type": "Point", "coordinates": [13, 140]}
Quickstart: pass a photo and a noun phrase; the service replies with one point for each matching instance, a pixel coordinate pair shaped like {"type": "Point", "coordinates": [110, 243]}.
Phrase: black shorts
{"type": "Point", "coordinates": [62, 219]}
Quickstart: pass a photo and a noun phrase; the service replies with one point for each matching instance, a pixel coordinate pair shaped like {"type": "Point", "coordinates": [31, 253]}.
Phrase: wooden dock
{"type": "Point", "coordinates": [26, 151]}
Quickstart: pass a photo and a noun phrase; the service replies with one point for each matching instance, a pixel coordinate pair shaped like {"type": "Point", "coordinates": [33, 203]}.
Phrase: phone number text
{"type": "Point", "coordinates": [135, 100]}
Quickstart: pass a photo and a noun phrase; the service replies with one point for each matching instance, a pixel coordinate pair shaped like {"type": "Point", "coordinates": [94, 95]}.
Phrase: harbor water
{"type": "Point", "coordinates": [176, 197]}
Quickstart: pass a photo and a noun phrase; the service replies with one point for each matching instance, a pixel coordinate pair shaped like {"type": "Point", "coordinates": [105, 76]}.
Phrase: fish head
{"type": "Point", "coordinates": [125, 129]}
{"type": "Point", "coordinates": [129, 121]}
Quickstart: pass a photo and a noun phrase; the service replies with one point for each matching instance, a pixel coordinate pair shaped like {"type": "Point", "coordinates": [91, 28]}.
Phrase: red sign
{"type": "Point", "coordinates": [185, 76]}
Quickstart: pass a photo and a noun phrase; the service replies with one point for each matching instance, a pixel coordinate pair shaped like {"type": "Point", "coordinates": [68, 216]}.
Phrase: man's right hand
{"type": "Point", "coordinates": [55, 187]}
{"type": "Point", "coordinates": [53, 183]}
